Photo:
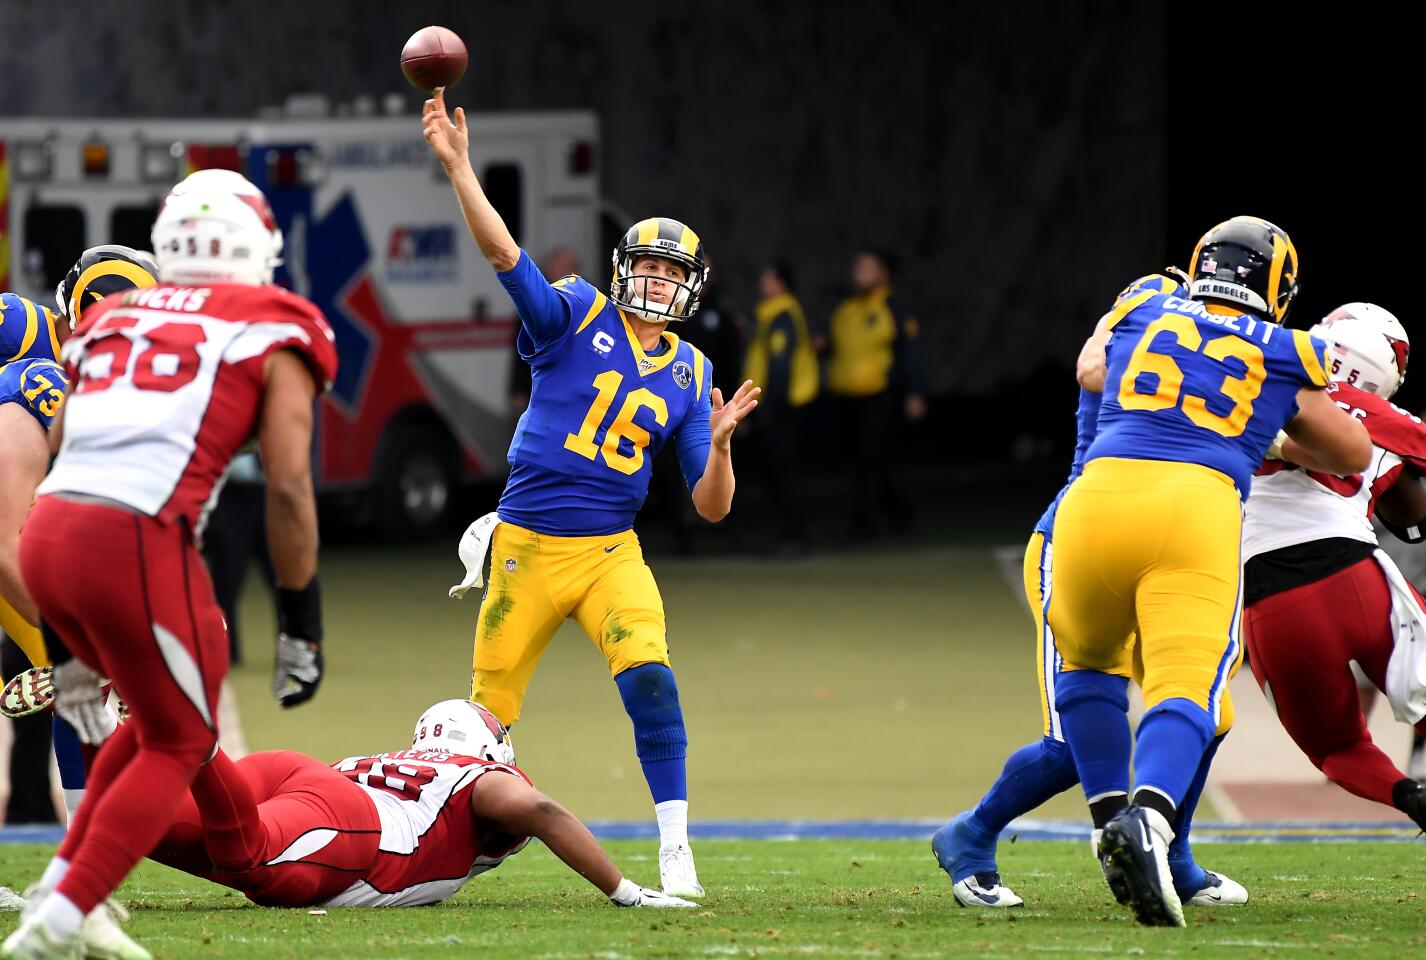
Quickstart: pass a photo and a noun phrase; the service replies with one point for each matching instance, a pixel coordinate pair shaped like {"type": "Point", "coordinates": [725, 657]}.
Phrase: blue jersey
{"type": "Point", "coordinates": [600, 408]}
{"type": "Point", "coordinates": [1188, 384]}
{"type": "Point", "coordinates": [1086, 415]}
{"type": "Point", "coordinates": [1085, 418]}
{"type": "Point", "coordinates": [26, 330]}
{"type": "Point", "coordinates": [37, 385]}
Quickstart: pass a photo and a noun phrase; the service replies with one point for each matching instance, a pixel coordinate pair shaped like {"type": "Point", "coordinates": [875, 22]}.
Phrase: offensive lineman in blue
{"type": "Point", "coordinates": [610, 387]}
{"type": "Point", "coordinates": [965, 848]}
{"type": "Point", "coordinates": [1195, 391]}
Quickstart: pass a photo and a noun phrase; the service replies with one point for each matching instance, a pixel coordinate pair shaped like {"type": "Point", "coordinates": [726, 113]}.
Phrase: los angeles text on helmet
{"type": "Point", "coordinates": [1223, 290]}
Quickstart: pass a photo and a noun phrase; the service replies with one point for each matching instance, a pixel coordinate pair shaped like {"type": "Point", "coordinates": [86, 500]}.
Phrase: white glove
{"type": "Point", "coordinates": [630, 894]}
{"type": "Point", "coordinates": [296, 670]}
{"type": "Point", "coordinates": [1275, 450]}
{"type": "Point", "coordinates": [79, 701]}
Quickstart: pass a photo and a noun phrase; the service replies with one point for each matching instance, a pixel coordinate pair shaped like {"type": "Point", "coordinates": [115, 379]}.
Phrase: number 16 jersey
{"type": "Point", "coordinates": [600, 408]}
{"type": "Point", "coordinates": [1189, 384]}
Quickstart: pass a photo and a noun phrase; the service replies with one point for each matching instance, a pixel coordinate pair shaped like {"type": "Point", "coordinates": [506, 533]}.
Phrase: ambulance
{"type": "Point", "coordinates": [373, 236]}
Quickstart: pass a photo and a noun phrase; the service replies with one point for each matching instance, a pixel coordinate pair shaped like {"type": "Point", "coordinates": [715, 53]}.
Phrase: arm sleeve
{"type": "Point", "coordinates": [544, 314]}
{"type": "Point", "coordinates": [908, 349]}
{"type": "Point", "coordinates": [694, 436]}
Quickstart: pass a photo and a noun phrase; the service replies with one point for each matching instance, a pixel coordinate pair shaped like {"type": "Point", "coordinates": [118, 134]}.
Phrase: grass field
{"type": "Point", "coordinates": [793, 676]}
{"type": "Point", "coordinates": [883, 899]}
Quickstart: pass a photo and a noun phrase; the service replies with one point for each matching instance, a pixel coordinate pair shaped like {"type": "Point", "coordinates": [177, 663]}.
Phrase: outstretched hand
{"type": "Point", "coordinates": [449, 141]}
{"type": "Point", "coordinates": [727, 416]}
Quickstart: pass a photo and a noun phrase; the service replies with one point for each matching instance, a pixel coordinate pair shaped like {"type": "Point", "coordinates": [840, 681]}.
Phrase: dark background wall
{"type": "Point", "coordinates": [1026, 159]}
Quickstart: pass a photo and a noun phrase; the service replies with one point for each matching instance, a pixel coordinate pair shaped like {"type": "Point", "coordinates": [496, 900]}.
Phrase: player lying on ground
{"type": "Point", "coordinates": [397, 829]}
{"type": "Point", "coordinates": [1319, 593]}
{"type": "Point", "coordinates": [1148, 537]}
{"type": "Point", "coordinates": [965, 847]}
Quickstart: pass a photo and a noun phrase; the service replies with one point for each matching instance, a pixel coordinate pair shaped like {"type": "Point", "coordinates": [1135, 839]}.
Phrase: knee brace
{"type": "Point", "coordinates": [650, 697]}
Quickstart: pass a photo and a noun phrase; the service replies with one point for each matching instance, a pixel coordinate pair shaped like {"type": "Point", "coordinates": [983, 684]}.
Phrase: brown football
{"type": "Point", "coordinates": [433, 57]}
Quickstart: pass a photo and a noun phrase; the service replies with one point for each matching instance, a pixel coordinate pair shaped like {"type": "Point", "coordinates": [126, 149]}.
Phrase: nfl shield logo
{"type": "Point", "coordinates": [682, 374]}
{"type": "Point", "coordinates": [510, 565]}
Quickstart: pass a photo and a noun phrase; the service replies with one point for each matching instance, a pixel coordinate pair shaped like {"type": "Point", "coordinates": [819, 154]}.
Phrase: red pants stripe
{"type": "Point", "coordinates": [1300, 644]}
{"type": "Point", "coordinates": [282, 806]}
{"type": "Point", "coordinates": [130, 597]}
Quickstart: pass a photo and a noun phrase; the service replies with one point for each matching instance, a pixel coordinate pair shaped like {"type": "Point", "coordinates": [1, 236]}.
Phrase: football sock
{"type": "Point", "coordinates": [69, 757]}
{"type": "Point", "coordinates": [1154, 800]}
{"type": "Point", "coordinates": [1106, 808]}
{"type": "Point", "coordinates": [54, 873]}
{"type": "Point", "coordinates": [1094, 717]}
{"type": "Point", "coordinates": [1188, 876]}
{"type": "Point", "coordinates": [60, 916]}
{"type": "Point", "coordinates": [1173, 736]}
{"type": "Point", "coordinates": [673, 822]}
{"type": "Point", "coordinates": [650, 697]}
{"type": "Point", "coordinates": [1033, 774]}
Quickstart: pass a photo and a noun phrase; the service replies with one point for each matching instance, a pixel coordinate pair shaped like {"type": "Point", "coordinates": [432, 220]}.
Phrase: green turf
{"type": "Point", "coordinates": [816, 898]}
{"type": "Point", "coordinates": [793, 676]}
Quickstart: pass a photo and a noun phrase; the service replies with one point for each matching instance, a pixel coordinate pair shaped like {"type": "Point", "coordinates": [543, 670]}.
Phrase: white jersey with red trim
{"type": "Point", "coordinates": [430, 843]}
{"type": "Point", "coordinates": [168, 382]}
{"type": "Point", "coordinates": [1290, 506]}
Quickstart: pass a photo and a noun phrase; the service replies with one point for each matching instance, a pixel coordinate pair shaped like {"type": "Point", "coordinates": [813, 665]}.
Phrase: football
{"type": "Point", "coordinates": [433, 58]}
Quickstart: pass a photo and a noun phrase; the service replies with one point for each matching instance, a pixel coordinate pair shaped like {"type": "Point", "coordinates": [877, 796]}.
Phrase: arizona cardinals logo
{"type": "Point", "coordinates": [497, 730]}
{"type": "Point", "coordinates": [1402, 350]}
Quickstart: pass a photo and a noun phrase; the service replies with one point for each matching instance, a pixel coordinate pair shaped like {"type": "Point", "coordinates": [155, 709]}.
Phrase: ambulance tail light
{"type": "Point", "coordinates": [94, 158]}
{"type": "Point", "coordinates": [581, 157]}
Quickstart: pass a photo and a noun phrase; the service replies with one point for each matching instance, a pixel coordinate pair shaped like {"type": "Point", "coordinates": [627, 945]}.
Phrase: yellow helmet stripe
{"type": "Point", "coordinates": [1275, 274]}
{"type": "Point", "coordinates": [106, 268]}
{"type": "Point", "coordinates": [32, 327]}
{"type": "Point", "coordinates": [648, 231]}
{"type": "Point", "coordinates": [1313, 362]}
{"type": "Point", "coordinates": [688, 241]}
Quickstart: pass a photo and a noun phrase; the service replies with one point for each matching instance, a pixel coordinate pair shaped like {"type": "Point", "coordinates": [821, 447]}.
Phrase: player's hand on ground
{"type": "Point", "coordinates": [297, 670]}
{"type": "Point", "coordinates": [726, 416]}
{"type": "Point", "coordinates": [449, 141]}
{"type": "Point", "coordinates": [79, 700]}
{"type": "Point", "coordinates": [629, 895]}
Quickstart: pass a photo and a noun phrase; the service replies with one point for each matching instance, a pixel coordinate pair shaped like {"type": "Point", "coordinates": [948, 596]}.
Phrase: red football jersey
{"type": "Point", "coordinates": [430, 845]}
{"type": "Point", "coordinates": [1290, 505]}
{"type": "Point", "coordinates": [167, 386]}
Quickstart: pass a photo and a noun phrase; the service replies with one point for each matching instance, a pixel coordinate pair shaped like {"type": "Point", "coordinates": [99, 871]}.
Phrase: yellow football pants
{"type": "Point", "coordinates": [1151, 546]}
{"type": "Point", "coordinates": [537, 581]}
{"type": "Point", "coordinates": [25, 634]}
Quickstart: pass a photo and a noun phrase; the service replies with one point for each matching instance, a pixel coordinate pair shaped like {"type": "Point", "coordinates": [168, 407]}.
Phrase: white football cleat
{"type": "Point", "coordinates": [10, 901]}
{"type": "Point", "coordinates": [101, 938]}
{"type": "Point", "coordinates": [677, 874]}
{"type": "Point", "coordinates": [33, 941]}
{"type": "Point", "coordinates": [985, 890]}
{"type": "Point", "coordinates": [1221, 892]}
{"type": "Point", "coordinates": [28, 693]}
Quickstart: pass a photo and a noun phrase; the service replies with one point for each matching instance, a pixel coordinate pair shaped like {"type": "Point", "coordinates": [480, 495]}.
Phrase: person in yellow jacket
{"type": "Point", "coordinates": [874, 371]}
{"type": "Point", "coordinates": [780, 359]}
